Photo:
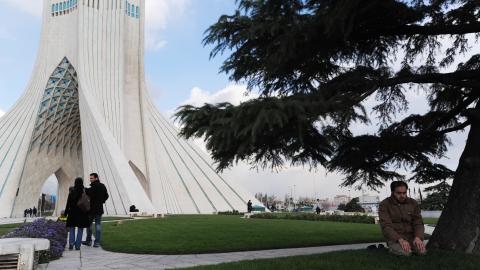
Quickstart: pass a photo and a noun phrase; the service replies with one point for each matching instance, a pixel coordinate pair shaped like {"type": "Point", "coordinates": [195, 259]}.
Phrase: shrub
{"type": "Point", "coordinates": [313, 217]}
{"type": "Point", "coordinates": [230, 213]}
{"type": "Point", "coordinates": [54, 231]}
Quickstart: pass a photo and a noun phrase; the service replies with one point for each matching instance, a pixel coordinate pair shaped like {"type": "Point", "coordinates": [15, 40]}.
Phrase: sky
{"type": "Point", "coordinates": [178, 71]}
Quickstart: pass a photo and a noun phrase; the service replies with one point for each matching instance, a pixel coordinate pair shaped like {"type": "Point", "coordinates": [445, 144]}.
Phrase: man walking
{"type": "Point", "coordinates": [98, 196]}
{"type": "Point", "coordinates": [318, 207]}
{"type": "Point", "coordinates": [401, 222]}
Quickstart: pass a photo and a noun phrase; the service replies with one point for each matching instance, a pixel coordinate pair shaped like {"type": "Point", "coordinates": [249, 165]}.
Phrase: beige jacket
{"type": "Point", "coordinates": [401, 220]}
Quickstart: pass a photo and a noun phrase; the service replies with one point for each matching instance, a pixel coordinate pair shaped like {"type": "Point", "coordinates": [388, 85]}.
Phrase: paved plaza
{"type": "Point", "coordinates": [90, 258]}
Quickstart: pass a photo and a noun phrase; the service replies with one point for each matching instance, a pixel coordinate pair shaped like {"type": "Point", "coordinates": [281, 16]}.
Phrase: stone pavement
{"type": "Point", "coordinates": [89, 258]}
{"type": "Point", "coordinates": [429, 229]}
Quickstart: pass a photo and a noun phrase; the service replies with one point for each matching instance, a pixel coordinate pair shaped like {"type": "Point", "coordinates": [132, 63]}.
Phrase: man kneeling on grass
{"type": "Point", "coordinates": [401, 222]}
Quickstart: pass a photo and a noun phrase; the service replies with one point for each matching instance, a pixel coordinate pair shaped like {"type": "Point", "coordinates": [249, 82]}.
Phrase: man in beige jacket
{"type": "Point", "coordinates": [401, 222]}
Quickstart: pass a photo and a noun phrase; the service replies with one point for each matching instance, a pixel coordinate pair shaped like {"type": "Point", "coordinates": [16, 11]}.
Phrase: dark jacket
{"type": "Point", "coordinates": [76, 217]}
{"type": "Point", "coordinates": [400, 220]}
{"type": "Point", "coordinates": [98, 196]}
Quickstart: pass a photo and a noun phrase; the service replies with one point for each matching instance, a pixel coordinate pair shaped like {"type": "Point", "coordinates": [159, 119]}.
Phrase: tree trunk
{"type": "Point", "coordinates": [459, 226]}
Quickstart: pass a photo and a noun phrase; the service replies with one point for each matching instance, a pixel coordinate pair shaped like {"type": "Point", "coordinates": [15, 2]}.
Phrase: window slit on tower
{"type": "Point", "coordinates": [65, 7]}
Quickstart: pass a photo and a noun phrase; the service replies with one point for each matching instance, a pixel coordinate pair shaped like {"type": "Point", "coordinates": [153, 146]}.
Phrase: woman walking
{"type": "Point", "coordinates": [77, 216]}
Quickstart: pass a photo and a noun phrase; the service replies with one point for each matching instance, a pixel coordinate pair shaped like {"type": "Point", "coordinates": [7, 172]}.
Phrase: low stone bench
{"type": "Point", "coordinates": [22, 250]}
{"type": "Point", "coordinates": [145, 215]}
{"type": "Point", "coordinates": [249, 215]}
{"type": "Point", "coordinates": [140, 214]}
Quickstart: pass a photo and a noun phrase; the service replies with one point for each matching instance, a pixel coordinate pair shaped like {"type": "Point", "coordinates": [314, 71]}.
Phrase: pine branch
{"type": "Point", "coordinates": [433, 30]}
{"type": "Point", "coordinates": [455, 128]}
{"type": "Point", "coordinates": [462, 78]}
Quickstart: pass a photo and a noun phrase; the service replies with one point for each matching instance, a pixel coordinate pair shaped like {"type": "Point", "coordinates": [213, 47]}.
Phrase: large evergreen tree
{"type": "Point", "coordinates": [316, 62]}
{"type": "Point", "coordinates": [353, 206]}
{"type": "Point", "coordinates": [438, 197]}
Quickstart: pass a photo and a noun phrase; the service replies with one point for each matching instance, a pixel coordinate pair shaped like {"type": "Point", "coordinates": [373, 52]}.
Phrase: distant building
{"type": "Point", "coordinates": [47, 203]}
{"type": "Point", "coordinates": [324, 200]}
{"type": "Point", "coordinates": [369, 202]}
{"type": "Point", "coordinates": [339, 199]}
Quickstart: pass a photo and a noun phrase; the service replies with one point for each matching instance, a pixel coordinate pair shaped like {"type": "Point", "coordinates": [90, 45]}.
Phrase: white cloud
{"type": "Point", "coordinates": [1, 113]}
{"type": "Point", "coordinates": [159, 13]}
{"type": "Point", "coordinates": [28, 6]}
{"type": "Point", "coordinates": [152, 42]}
{"type": "Point", "coordinates": [233, 93]}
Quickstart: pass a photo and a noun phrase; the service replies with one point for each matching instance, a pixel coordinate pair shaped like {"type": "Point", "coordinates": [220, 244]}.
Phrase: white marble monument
{"type": "Point", "coordinates": [86, 109]}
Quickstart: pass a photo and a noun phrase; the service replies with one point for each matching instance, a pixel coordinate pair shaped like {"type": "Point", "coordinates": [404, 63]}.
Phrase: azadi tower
{"type": "Point", "coordinates": [86, 109]}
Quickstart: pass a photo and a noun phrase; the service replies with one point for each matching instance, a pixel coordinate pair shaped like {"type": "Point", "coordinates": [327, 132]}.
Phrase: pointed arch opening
{"type": "Point", "coordinates": [57, 127]}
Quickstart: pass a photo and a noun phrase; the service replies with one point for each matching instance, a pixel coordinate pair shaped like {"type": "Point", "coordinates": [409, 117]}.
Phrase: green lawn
{"type": "Point", "coordinates": [358, 260]}
{"type": "Point", "coordinates": [430, 221]}
{"type": "Point", "coordinates": [210, 234]}
{"type": "Point", "coordinates": [4, 229]}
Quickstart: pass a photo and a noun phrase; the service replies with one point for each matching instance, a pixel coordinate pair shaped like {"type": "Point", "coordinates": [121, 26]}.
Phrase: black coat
{"type": "Point", "coordinates": [75, 216]}
{"type": "Point", "coordinates": [98, 196]}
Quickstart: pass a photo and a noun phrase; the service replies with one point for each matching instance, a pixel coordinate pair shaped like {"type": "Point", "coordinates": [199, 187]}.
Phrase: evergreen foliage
{"type": "Point", "coordinates": [437, 199]}
{"type": "Point", "coordinates": [353, 206]}
{"type": "Point", "coordinates": [315, 64]}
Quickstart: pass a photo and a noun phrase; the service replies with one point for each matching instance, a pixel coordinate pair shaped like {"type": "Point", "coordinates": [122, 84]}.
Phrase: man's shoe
{"type": "Point", "coordinates": [70, 247]}
{"type": "Point", "coordinates": [96, 245]}
{"type": "Point", "coordinates": [77, 248]}
{"type": "Point", "coordinates": [86, 243]}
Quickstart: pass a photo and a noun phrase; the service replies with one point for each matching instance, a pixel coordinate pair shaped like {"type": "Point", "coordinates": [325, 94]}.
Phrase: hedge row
{"type": "Point", "coordinates": [230, 213]}
{"type": "Point", "coordinates": [315, 217]}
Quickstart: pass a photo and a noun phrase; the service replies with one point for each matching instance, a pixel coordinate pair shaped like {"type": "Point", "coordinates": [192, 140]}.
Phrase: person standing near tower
{"type": "Point", "coordinates": [98, 196]}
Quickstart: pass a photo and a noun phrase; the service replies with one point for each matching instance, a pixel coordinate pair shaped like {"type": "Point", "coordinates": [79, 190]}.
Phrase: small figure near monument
{"type": "Point", "coordinates": [249, 206]}
{"type": "Point", "coordinates": [318, 207]}
{"type": "Point", "coordinates": [133, 209]}
{"type": "Point", "coordinates": [401, 222]}
{"type": "Point", "coordinates": [34, 211]}
{"type": "Point", "coordinates": [62, 217]}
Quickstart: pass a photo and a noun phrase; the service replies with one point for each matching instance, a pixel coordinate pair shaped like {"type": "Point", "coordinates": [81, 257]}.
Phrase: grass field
{"type": "Point", "coordinates": [4, 229]}
{"type": "Point", "coordinates": [430, 221]}
{"type": "Point", "coordinates": [210, 234]}
{"type": "Point", "coordinates": [358, 260]}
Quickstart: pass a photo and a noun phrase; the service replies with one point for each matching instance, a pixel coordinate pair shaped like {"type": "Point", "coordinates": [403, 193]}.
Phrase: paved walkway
{"type": "Point", "coordinates": [429, 229]}
{"type": "Point", "coordinates": [6, 221]}
{"type": "Point", "coordinates": [89, 258]}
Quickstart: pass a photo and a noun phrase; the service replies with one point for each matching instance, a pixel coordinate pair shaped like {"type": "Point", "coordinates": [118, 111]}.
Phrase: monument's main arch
{"type": "Point", "coordinates": [86, 109]}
